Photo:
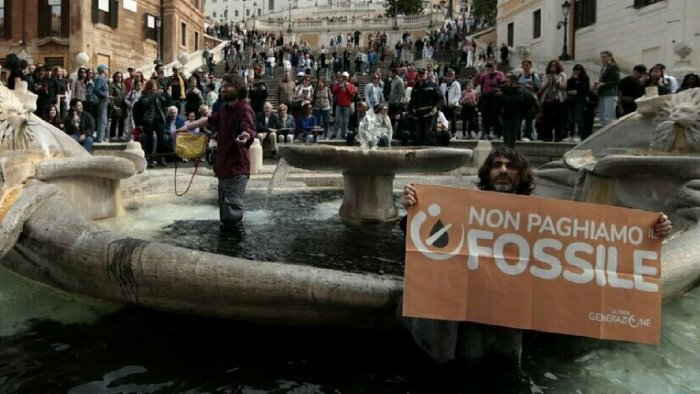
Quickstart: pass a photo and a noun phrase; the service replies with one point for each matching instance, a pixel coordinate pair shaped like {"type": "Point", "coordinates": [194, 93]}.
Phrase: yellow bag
{"type": "Point", "coordinates": [191, 146]}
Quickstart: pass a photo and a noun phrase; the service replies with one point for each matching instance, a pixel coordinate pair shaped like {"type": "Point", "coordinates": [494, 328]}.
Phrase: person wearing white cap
{"type": "Point", "coordinates": [344, 92]}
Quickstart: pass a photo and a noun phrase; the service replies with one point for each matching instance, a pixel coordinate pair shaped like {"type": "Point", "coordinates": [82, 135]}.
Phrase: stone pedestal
{"type": "Point", "coordinates": [368, 197]}
{"type": "Point", "coordinates": [369, 174]}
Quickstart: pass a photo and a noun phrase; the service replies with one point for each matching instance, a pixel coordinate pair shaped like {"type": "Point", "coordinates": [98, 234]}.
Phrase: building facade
{"type": "Point", "coordinates": [119, 33]}
{"type": "Point", "coordinates": [226, 11]}
{"type": "Point", "coordinates": [636, 31]}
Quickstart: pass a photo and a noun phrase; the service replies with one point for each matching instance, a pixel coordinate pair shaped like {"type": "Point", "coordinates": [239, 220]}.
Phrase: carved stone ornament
{"type": "Point", "coordinates": [678, 123]}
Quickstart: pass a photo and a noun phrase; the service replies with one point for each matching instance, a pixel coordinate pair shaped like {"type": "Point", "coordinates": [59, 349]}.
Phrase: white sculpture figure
{"type": "Point", "coordinates": [678, 122]}
{"type": "Point", "coordinates": [14, 135]}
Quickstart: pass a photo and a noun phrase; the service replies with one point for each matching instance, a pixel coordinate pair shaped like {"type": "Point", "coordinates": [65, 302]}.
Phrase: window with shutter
{"type": "Point", "coordinates": [511, 34]}
{"type": "Point", "coordinates": [150, 27]}
{"type": "Point", "coordinates": [584, 13]}
{"type": "Point", "coordinates": [53, 21]}
{"type": "Point", "coordinates": [105, 12]}
{"type": "Point", "coordinates": [65, 18]}
{"type": "Point", "coordinates": [537, 24]}
{"type": "Point", "coordinates": [42, 14]}
{"type": "Point", "coordinates": [6, 18]}
{"type": "Point", "coordinates": [114, 13]}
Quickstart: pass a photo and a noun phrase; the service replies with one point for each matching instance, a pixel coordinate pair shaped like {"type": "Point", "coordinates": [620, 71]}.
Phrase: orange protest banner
{"type": "Point", "coordinates": [533, 263]}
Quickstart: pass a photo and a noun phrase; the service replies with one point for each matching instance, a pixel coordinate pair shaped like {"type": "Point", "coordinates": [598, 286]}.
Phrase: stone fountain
{"type": "Point", "coordinates": [53, 190]}
{"type": "Point", "coordinates": [647, 160]}
{"type": "Point", "coordinates": [368, 174]}
{"type": "Point", "coordinates": [368, 171]}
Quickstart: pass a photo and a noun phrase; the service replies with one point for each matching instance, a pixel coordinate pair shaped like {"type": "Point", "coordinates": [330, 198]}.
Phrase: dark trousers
{"type": "Point", "coordinates": [425, 130]}
{"type": "Point", "coordinates": [511, 131]}
{"type": "Point", "coordinates": [529, 131]}
{"type": "Point", "coordinates": [553, 120]}
{"type": "Point", "coordinates": [490, 108]}
{"type": "Point", "coordinates": [470, 120]}
{"type": "Point", "coordinates": [451, 116]}
{"type": "Point", "coordinates": [575, 117]}
{"type": "Point", "coordinates": [154, 146]}
{"type": "Point", "coordinates": [231, 198]}
{"type": "Point", "coordinates": [116, 127]}
{"type": "Point", "coordinates": [406, 131]}
{"type": "Point", "coordinates": [442, 138]}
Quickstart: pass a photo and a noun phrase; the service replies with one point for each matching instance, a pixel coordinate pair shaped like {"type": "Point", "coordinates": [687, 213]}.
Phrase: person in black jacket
{"type": "Point", "coordinates": [155, 104]}
{"type": "Point", "coordinates": [513, 101]}
{"type": "Point", "coordinates": [426, 99]}
{"type": "Point", "coordinates": [577, 88]}
{"type": "Point", "coordinates": [80, 124]}
{"type": "Point", "coordinates": [258, 93]}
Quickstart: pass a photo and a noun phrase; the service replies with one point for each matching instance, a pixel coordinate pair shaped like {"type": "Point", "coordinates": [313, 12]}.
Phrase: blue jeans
{"type": "Point", "coordinates": [87, 142]}
{"type": "Point", "coordinates": [384, 140]}
{"type": "Point", "coordinates": [529, 131]}
{"type": "Point", "coordinates": [606, 109]}
{"type": "Point", "coordinates": [322, 116]}
{"type": "Point", "coordinates": [342, 116]}
{"type": "Point", "coordinates": [102, 120]}
{"type": "Point", "coordinates": [231, 198]}
{"type": "Point", "coordinates": [310, 138]}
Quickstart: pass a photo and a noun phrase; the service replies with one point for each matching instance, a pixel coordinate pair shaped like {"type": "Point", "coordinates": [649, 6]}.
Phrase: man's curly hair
{"type": "Point", "coordinates": [526, 182]}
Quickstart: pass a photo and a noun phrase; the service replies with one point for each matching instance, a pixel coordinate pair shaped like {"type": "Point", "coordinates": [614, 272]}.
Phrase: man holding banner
{"type": "Point", "coordinates": [470, 304]}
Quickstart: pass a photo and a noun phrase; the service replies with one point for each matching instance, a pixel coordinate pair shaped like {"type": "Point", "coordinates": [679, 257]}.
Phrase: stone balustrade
{"type": "Point", "coordinates": [302, 25]}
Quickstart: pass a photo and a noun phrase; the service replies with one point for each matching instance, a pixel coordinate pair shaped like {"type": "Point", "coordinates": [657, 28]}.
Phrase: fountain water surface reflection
{"type": "Point", "coordinates": [297, 228]}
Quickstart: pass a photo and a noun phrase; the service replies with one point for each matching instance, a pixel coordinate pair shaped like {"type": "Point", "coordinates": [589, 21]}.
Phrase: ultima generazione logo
{"type": "Point", "coordinates": [439, 236]}
{"type": "Point", "coordinates": [620, 316]}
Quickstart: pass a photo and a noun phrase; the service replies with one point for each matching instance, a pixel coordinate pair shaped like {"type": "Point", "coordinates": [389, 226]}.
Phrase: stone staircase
{"type": "Point", "coordinates": [442, 56]}
{"type": "Point", "coordinates": [273, 83]}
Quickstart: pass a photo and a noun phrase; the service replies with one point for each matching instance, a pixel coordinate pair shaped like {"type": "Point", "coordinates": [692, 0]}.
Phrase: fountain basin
{"type": "Point", "coordinates": [368, 175]}
{"type": "Point", "coordinates": [60, 247]}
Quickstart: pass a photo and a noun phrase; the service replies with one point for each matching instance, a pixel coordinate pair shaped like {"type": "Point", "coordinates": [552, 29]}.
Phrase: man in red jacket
{"type": "Point", "coordinates": [344, 92]}
{"type": "Point", "coordinates": [234, 120]}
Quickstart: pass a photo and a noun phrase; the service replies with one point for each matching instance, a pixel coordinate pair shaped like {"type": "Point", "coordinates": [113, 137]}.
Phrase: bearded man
{"type": "Point", "coordinates": [505, 170]}
{"type": "Point", "coordinates": [236, 126]}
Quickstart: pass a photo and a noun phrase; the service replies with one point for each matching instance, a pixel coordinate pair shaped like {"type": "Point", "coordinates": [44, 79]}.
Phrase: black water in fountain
{"type": "Point", "coordinates": [139, 351]}
{"type": "Point", "coordinates": [291, 234]}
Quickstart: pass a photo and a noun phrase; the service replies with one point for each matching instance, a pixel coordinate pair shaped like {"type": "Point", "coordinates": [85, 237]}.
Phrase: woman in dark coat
{"type": "Point", "coordinates": [577, 89]}
{"type": "Point", "coordinates": [117, 90]}
{"type": "Point", "coordinates": [149, 114]}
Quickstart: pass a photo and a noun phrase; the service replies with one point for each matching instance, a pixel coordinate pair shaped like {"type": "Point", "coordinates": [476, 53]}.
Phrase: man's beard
{"type": "Point", "coordinates": [504, 187]}
{"type": "Point", "coordinates": [228, 95]}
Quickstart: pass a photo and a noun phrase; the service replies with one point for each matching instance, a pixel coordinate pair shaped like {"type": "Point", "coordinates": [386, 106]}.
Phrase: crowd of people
{"type": "Point", "coordinates": [318, 95]}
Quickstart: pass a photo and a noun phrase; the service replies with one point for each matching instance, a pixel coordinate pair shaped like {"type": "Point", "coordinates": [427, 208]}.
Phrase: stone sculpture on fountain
{"type": "Point", "coordinates": [649, 160]}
